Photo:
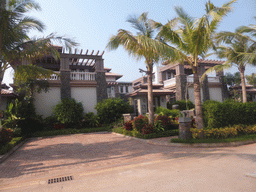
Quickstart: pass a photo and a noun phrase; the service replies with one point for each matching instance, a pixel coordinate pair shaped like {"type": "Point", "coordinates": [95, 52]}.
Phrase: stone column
{"type": "Point", "coordinates": [205, 85]}
{"type": "Point", "coordinates": [185, 125]}
{"type": "Point", "coordinates": [65, 78]}
{"type": "Point", "coordinates": [224, 88]}
{"type": "Point", "coordinates": [101, 88]}
{"type": "Point", "coordinates": [181, 81]}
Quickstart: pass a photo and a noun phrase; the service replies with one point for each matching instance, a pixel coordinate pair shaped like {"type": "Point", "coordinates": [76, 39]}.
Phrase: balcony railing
{"type": "Point", "coordinates": [169, 82]}
{"type": "Point", "coordinates": [83, 76]}
{"type": "Point", "coordinates": [190, 79]}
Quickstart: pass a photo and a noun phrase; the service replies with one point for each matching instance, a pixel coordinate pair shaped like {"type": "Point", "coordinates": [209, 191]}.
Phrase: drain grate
{"type": "Point", "coordinates": [60, 179]}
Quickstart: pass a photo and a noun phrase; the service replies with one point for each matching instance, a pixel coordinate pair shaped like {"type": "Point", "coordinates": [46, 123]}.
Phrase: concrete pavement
{"type": "Point", "coordinates": [109, 162]}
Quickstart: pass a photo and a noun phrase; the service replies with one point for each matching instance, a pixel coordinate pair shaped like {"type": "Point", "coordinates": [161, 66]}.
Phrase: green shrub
{"type": "Point", "coordinates": [49, 122]}
{"type": "Point", "coordinates": [109, 110]}
{"type": "Point", "coordinates": [184, 105]}
{"type": "Point", "coordinates": [90, 120]}
{"type": "Point", "coordinates": [139, 122]}
{"type": "Point", "coordinates": [69, 112]}
{"type": "Point", "coordinates": [167, 112]}
{"type": "Point", "coordinates": [29, 125]}
{"type": "Point", "coordinates": [218, 114]}
{"type": "Point", "coordinates": [166, 122]}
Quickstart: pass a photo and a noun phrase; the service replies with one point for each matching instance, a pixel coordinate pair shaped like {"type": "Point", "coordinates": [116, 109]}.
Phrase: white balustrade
{"type": "Point", "coordinates": [85, 76]}
{"type": "Point", "coordinates": [169, 82]}
{"type": "Point", "coordinates": [55, 76]}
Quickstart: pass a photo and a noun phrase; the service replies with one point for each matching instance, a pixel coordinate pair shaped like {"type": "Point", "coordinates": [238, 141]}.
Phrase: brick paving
{"type": "Point", "coordinates": [64, 155]}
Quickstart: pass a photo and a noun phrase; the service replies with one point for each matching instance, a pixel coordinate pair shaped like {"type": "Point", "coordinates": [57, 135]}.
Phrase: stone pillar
{"type": "Point", "coordinates": [185, 125]}
{"type": "Point", "coordinates": [224, 88]}
{"type": "Point", "coordinates": [101, 88]}
{"type": "Point", "coordinates": [181, 81]}
{"type": "Point", "coordinates": [65, 78]}
{"type": "Point", "coordinates": [205, 85]}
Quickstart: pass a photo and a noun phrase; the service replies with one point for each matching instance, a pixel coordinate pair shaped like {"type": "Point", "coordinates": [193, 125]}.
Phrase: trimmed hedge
{"type": "Point", "coordinates": [135, 133]}
{"type": "Point", "coordinates": [226, 132]}
{"type": "Point", "coordinates": [218, 114]}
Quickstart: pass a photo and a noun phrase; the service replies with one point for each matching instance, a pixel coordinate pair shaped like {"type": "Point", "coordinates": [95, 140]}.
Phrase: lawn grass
{"type": "Point", "coordinates": [7, 147]}
{"type": "Point", "coordinates": [220, 140]}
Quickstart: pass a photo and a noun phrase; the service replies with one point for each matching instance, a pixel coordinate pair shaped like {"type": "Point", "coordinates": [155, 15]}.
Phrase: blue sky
{"type": "Point", "coordinates": [92, 22]}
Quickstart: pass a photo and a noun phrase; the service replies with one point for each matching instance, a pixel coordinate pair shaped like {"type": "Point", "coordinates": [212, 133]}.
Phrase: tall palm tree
{"type": "Point", "coordinates": [15, 44]}
{"type": "Point", "coordinates": [141, 46]}
{"type": "Point", "coordinates": [239, 50]}
{"type": "Point", "coordinates": [189, 39]}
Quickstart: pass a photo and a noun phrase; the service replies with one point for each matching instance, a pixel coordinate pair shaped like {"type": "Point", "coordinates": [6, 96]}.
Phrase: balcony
{"type": "Point", "coordinates": [80, 76]}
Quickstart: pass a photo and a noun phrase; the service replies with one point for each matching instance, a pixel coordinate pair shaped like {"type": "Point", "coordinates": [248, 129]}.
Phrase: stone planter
{"type": "Point", "coordinates": [128, 117]}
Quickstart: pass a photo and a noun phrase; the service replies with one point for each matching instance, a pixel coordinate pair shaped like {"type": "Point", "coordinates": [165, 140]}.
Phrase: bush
{"type": "Point", "coordinates": [49, 122]}
{"type": "Point", "coordinates": [147, 129]}
{"type": "Point", "coordinates": [90, 120]}
{"type": "Point", "coordinates": [139, 122]}
{"type": "Point", "coordinates": [167, 112]}
{"type": "Point", "coordinates": [68, 111]}
{"type": "Point", "coordinates": [184, 105]}
{"type": "Point", "coordinates": [128, 125]}
{"type": "Point", "coordinates": [109, 110]}
{"type": "Point", "coordinates": [29, 125]}
{"type": "Point", "coordinates": [218, 114]}
{"type": "Point", "coordinates": [5, 136]}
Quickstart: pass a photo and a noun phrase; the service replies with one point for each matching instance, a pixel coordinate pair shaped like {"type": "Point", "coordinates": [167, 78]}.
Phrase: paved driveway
{"type": "Point", "coordinates": [109, 162]}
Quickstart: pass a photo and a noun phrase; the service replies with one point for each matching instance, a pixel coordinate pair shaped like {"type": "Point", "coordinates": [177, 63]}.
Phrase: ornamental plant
{"type": "Point", "coordinates": [139, 122]}
{"type": "Point", "coordinates": [147, 129]}
{"type": "Point", "coordinates": [5, 136]}
{"type": "Point", "coordinates": [128, 125]}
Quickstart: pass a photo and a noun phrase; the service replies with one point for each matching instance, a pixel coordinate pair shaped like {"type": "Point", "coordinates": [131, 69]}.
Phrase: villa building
{"type": "Point", "coordinates": [81, 76]}
{"type": "Point", "coordinates": [175, 82]}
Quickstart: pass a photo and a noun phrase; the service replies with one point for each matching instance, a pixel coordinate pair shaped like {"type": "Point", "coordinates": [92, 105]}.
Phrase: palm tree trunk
{"type": "Point", "coordinates": [198, 104]}
{"type": "Point", "coordinates": [150, 94]}
{"type": "Point", "coordinates": [242, 69]}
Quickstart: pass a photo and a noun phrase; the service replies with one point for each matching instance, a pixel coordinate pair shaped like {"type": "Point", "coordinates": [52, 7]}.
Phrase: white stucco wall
{"type": "Point", "coordinates": [44, 102]}
{"type": "Point", "coordinates": [87, 96]}
{"type": "Point", "coordinates": [192, 95]}
{"type": "Point", "coordinates": [215, 94]}
{"type": "Point", "coordinates": [163, 101]}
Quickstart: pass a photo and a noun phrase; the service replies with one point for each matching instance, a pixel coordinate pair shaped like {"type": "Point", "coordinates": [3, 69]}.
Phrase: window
{"type": "Point", "coordinates": [126, 89]}
{"type": "Point", "coordinates": [121, 89]}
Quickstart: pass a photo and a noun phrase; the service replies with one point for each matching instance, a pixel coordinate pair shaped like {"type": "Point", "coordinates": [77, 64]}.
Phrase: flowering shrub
{"type": "Point", "coordinates": [128, 125]}
{"type": "Point", "coordinates": [139, 122]}
{"type": "Point", "coordinates": [147, 128]}
{"type": "Point", "coordinates": [165, 122]}
{"type": "Point", "coordinates": [224, 132]}
{"type": "Point", "coordinates": [5, 136]}
{"type": "Point", "coordinates": [59, 126]}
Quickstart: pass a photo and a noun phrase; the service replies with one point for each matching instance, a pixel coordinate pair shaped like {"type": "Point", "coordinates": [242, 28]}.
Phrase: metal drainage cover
{"type": "Point", "coordinates": [60, 179]}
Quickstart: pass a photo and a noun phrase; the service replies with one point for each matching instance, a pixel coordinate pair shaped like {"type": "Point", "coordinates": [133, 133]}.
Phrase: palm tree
{"type": "Point", "coordinates": [141, 45]}
{"type": "Point", "coordinates": [15, 44]}
{"type": "Point", "coordinates": [239, 50]}
{"type": "Point", "coordinates": [189, 38]}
